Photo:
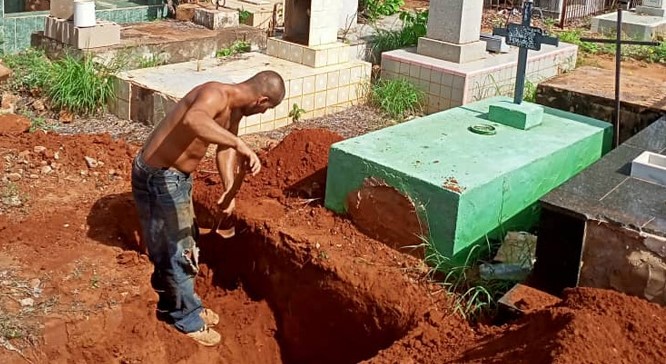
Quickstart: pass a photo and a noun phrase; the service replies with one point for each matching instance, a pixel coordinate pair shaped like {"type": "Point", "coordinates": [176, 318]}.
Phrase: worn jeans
{"type": "Point", "coordinates": [163, 199]}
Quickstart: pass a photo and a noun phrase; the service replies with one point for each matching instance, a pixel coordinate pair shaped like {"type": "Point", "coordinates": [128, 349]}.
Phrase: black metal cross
{"type": "Point", "coordinates": [525, 37]}
{"type": "Point", "coordinates": [618, 57]}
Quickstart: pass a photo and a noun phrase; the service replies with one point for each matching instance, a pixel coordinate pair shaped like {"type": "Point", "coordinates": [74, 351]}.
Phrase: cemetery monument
{"type": "Point", "coordinates": [451, 64]}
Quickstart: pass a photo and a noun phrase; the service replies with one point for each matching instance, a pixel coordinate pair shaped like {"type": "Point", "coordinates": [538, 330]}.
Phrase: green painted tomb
{"type": "Point", "coordinates": [468, 186]}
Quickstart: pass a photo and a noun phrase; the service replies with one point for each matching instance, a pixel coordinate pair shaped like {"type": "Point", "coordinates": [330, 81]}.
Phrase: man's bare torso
{"type": "Point", "coordinates": [173, 145]}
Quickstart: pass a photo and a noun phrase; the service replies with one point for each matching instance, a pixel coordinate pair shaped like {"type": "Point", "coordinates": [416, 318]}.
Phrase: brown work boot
{"type": "Point", "coordinates": [206, 336]}
{"type": "Point", "coordinates": [209, 317]}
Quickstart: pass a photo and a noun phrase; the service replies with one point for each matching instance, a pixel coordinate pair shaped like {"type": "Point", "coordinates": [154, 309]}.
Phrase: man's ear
{"type": "Point", "coordinates": [263, 100]}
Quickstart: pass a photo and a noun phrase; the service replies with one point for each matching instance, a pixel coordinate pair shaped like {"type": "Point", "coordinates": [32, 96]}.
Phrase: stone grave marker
{"type": "Point", "coordinates": [310, 34]}
{"type": "Point", "coordinates": [454, 31]}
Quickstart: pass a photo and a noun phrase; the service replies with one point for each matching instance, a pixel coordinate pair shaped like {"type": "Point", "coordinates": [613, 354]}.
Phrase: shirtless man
{"type": "Point", "coordinates": [162, 187]}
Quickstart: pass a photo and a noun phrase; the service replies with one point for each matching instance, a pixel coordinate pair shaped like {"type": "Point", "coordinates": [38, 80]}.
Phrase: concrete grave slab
{"type": "Point", "coordinates": [635, 26]}
{"type": "Point", "coordinates": [146, 95]}
{"type": "Point", "coordinates": [605, 228]}
{"type": "Point", "coordinates": [464, 186]}
{"type": "Point", "coordinates": [590, 91]}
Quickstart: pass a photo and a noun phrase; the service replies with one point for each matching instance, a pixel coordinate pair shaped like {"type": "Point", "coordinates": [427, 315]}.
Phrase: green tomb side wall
{"type": "Point", "coordinates": [502, 176]}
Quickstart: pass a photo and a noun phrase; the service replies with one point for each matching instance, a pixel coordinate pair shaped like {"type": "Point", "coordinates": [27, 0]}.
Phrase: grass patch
{"type": "Point", "coordinates": [473, 297]}
{"type": "Point", "coordinates": [375, 9]}
{"type": "Point", "coordinates": [236, 47]}
{"type": "Point", "coordinates": [76, 84]}
{"type": "Point", "coordinates": [414, 26]}
{"type": "Point", "coordinates": [651, 54]}
{"type": "Point", "coordinates": [398, 98]}
{"type": "Point", "coordinates": [80, 85]}
{"type": "Point", "coordinates": [32, 70]}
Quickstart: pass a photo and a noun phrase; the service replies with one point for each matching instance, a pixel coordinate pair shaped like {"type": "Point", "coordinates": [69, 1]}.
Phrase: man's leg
{"type": "Point", "coordinates": [172, 249]}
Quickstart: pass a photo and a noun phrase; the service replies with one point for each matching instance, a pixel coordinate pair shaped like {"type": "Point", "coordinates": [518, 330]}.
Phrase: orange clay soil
{"type": "Point", "coordinates": [297, 284]}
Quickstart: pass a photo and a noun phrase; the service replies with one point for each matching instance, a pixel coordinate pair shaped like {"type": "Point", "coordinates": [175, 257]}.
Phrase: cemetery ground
{"type": "Point", "coordinates": [298, 284]}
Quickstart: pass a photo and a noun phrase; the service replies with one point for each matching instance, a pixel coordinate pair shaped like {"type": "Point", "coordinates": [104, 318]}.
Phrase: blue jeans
{"type": "Point", "coordinates": [163, 199]}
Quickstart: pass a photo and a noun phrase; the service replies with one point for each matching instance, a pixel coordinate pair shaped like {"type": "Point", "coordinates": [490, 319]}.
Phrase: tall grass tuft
{"type": "Point", "coordinates": [399, 98]}
{"type": "Point", "coordinates": [80, 85]}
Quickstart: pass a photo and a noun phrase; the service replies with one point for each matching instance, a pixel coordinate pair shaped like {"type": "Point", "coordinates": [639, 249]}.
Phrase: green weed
{"type": "Point", "coordinates": [151, 61]}
{"type": "Point", "coordinates": [32, 70]}
{"type": "Point", "coordinates": [80, 85]}
{"type": "Point", "coordinates": [529, 94]}
{"type": "Point", "coordinates": [236, 47]}
{"type": "Point", "coordinates": [399, 98]}
{"type": "Point", "coordinates": [374, 9]}
{"type": "Point", "coordinates": [414, 26]}
{"type": "Point", "coordinates": [473, 297]}
{"type": "Point", "coordinates": [243, 16]}
{"type": "Point", "coordinates": [296, 112]}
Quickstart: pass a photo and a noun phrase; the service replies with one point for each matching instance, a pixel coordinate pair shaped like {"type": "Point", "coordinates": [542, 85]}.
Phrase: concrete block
{"type": "Point", "coordinates": [105, 33]}
{"type": "Point", "coordinates": [495, 43]}
{"type": "Point", "coordinates": [461, 195]}
{"type": "Point", "coordinates": [216, 19]}
{"type": "Point", "coordinates": [524, 116]}
{"type": "Point", "coordinates": [458, 53]}
{"type": "Point", "coordinates": [650, 167]}
{"type": "Point", "coordinates": [62, 9]}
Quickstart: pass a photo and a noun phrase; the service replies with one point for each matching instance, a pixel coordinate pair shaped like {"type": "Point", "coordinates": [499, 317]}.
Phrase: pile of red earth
{"type": "Point", "coordinates": [587, 326]}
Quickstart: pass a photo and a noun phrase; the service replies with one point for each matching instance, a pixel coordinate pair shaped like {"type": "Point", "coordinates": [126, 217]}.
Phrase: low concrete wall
{"type": "Point", "coordinates": [168, 51]}
{"type": "Point", "coordinates": [589, 91]}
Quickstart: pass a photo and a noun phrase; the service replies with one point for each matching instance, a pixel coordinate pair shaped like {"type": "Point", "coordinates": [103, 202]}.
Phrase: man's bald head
{"type": "Point", "coordinates": [268, 84]}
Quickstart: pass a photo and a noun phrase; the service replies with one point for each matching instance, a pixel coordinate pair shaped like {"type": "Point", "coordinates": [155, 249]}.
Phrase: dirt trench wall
{"type": "Point", "coordinates": [623, 259]}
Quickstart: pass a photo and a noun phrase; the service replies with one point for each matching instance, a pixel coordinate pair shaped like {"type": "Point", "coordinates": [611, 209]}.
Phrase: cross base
{"type": "Point", "coordinates": [522, 116]}
{"type": "Point", "coordinates": [457, 53]}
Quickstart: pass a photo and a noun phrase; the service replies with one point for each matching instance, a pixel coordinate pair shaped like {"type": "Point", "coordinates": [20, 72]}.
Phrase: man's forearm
{"type": "Point", "coordinates": [211, 132]}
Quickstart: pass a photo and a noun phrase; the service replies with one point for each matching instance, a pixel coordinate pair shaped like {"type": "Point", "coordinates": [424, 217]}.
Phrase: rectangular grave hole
{"type": "Point", "coordinates": [320, 318]}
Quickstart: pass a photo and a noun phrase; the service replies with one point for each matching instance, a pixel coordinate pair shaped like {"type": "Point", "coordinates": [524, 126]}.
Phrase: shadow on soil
{"type": "Point", "coordinates": [113, 221]}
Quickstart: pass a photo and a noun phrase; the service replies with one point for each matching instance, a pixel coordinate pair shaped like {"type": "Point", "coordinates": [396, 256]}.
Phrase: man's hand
{"type": "Point", "coordinates": [253, 161]}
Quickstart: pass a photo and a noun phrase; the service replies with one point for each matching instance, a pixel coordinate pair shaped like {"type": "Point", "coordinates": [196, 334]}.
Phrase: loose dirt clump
{"type": "Point", "coordinates": [13, 124]}
{"type": "Point", "coordinates": [588, 326]}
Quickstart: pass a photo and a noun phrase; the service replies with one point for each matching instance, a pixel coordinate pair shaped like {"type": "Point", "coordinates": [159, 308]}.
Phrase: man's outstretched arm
{"type": "Point", "coordinates": [200, 120]}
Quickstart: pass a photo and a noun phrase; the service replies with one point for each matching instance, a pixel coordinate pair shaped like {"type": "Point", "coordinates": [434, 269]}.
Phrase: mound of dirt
{"type": "Point", "coordinates": [589, 326]}
{"type": "Point", "coordinates": [294, 167]}
{"type": "Point", "coordinates": [297, 165]}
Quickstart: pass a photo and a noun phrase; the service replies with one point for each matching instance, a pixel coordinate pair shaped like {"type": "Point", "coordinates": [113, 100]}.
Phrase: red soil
{"type": "Point", "coordinates": [297, 284]}
{"type": "Point", "coordinates": [13, 124]}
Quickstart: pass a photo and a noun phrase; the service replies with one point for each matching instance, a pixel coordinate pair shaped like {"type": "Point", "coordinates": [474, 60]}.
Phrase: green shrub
{"type": "Point", "coordinates": [414, 26]}
{"type": "Point", "coordinates": [375, 9]}
{"type": "Point", "coordinates": [398, 98]}
{"type": "Point", "coordinates": [80, 85]}
{"type": "Point", "coordinates": [32, 70]}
